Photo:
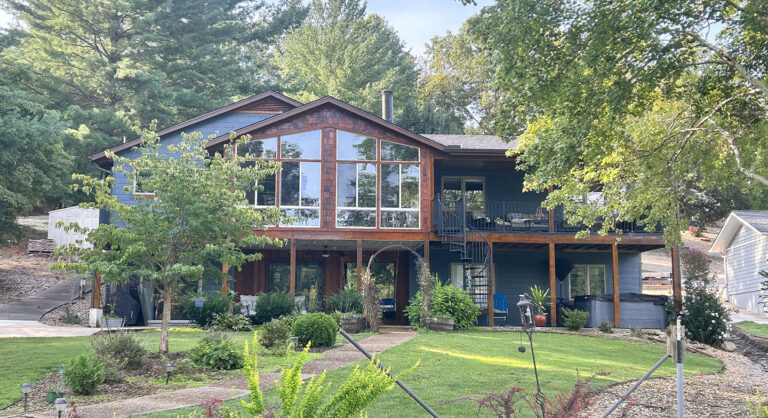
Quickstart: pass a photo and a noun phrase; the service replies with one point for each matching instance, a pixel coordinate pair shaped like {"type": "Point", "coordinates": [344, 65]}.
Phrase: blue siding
{"type": "Point", "coordinates": [507, 185]}
{"type": "Point", "coordinates": [516, 271]}
{"type": "Point", "coordinates": [218, 125]}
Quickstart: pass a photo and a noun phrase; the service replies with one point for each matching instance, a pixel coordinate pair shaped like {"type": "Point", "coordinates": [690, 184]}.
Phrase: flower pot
{"type": "Point", "coordinates": [353, 324]}
{"type": "Point", "coordinates": [111, 322]}
{"type": "Point", "coordinates": [440, 324]}
{"type": "Point", "coordinates": [540, 320]}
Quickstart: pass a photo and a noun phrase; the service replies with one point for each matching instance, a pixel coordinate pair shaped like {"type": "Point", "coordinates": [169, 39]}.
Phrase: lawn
{"type": "Point", "coordinates": [758, 330]}
{"type": "Point", "coordinates": [26, 360]}
{"type": "Point", "coordinates": [469, 363]}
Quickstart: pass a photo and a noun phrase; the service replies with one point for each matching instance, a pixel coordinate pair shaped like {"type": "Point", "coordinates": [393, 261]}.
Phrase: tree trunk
{"type": "Point", "coordinates": [166, 324]}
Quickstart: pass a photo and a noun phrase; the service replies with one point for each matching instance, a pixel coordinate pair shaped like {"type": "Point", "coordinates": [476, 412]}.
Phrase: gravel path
{"type": "Point", "coordinates": [719, 395]}
{"type": "Point", "coordinates": [332, 359]}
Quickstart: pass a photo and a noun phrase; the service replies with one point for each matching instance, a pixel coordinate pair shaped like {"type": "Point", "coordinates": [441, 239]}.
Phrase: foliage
{"type": "Point", "coordinates": [217, 351]}
{"type": "Point", "coordinates": [102, 62]}
{"type": "Point", "coordinates": [606, 326]}
{"type": "Point", "coordinates": [574, 319]}
{"type": "Point", "coordinates": [83, 374]}
{"type": "Point", "coordinates": [764, 289]}
{"type": "Point", "coordinates": [325, 56]}
{"type": "Point", "coordinates": [198, 219]}
{"type": "Point", "coordinates": [230, 322]}
{"type": "Point", "coordinates": [338, 316]}
{"type": "Point", "coordinates": [760, 408]}
{"type": "Point", "coordinates": [272, 305]}
{"type": "Point", "coordinates": [121, 346]}
{"type": "Point", "coordinates": [348, 300]}
{"type": "Point", "coordinates": [213, 304]}
{"type": "Point", "coordinates": [371, 300]}
{"type": "Point", "coordinates": [703, 314]}
{"type": "Point", "coordinates": [574, 403]}
{"type": "Point", "coordinates": [540, 299]}
{"type": "Point", "coordinates": [34, 161]}
{"type": "Point", "coordinates": [316, 328]}
{"type": "Point", "coordinates": [255, 405]}
{"type": "Point", "coordinates": [633, 110]}
{"type": "Point", "coordinates": [276, 333]}
{"type": "Point", "coordinates": [446, 300]}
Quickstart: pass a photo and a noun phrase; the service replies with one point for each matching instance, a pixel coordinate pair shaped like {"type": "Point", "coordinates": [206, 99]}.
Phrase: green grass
{"type": "Point", "coordinates": [758, 330]}
{"type": "Point", "coordinates": [469, 363]}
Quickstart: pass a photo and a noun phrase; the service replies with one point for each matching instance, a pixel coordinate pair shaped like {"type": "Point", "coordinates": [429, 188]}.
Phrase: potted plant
{"type": "Point", "coordinates": [352, 322]}
{"type": "Point", "coordinates": [440, 321]}
{"type": "Point", "coordinates": [111, 319]}
{"type": "Point", "coordinates": [540, 299]}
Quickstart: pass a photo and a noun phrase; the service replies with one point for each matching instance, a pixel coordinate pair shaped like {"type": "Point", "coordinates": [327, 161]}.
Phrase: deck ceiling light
{"type": "Point", "coordinates": [325, 252]}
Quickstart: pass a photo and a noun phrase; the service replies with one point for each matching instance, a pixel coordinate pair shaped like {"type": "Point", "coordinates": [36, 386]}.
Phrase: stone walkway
{"type": "Point", "coordinates": [332, 359]}
{"type": "Point", "coordinates": [33, 307]}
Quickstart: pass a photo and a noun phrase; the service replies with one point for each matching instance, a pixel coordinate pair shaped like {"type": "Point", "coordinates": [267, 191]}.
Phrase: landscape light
{"type": "Point", "coordinates": [169, 368]}
{"type": "Point", "coordinates": [25, 389]}
{"type": "Point", "coordinates": [61, 405]}
{"type": "Point", "coordinates": [526, 317]}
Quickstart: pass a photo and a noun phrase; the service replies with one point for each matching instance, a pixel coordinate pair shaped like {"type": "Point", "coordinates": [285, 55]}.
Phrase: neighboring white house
{"type": "Point", "coordinates": [85, 218]}
{"type": "Point", "coordinates": [743, 243]}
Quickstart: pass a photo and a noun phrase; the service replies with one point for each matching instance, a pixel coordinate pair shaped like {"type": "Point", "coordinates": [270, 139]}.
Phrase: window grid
{"type": "Point", "coordinates": [588, 279]}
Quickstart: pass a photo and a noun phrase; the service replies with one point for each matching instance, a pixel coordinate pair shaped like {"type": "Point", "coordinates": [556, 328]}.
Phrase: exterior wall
{"type": "Point", "coordinates": [517, 270]}
{"type": "Point", "coordinates": [85, 218]}
{"type": "Point", "coordinates": [745, 257]}
{"type": "Point", "coordinates": [218, 125]}
{"type": "Point", "coordinates": [499, 185]}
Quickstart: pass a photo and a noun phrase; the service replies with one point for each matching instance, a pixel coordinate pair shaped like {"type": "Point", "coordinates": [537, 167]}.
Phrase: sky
{"type": "Point", "coordinates": [416, 21]}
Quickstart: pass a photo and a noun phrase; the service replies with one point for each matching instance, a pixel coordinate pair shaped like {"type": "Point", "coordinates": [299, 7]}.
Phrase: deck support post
{"type": "Point", "coordinates": [426, 251]}
{"type": "Point", "coordinates": [552, 285]}
{"type": "Point", "coordinates": [550, 216]}
{"type": "Point", "coordinates": [677, 291]}
{"type": "Point", "coordinates": [615, 258]}
{"type": "Point", "coordinates": [224, 280]}
{"type": "Point", "coordinates": [292, 279]}
{"type": "Point", "coordinates": [359, 265]}
{"type": "Point", "coordinates": [491, 284]}
{"type": "Point", "coordinates": [96, 295]}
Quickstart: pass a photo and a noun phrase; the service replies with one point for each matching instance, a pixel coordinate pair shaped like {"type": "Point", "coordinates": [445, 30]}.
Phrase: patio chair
{"type": "Point", "coordinates": [387, 304]}
{"type": "Point", "coordinates": [500, 310]}
{"type": "Point", "coordinates": [248, 303]}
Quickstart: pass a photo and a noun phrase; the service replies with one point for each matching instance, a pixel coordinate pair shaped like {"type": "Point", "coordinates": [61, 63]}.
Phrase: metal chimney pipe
{"type": "Point", "coordinates": [386, 105]}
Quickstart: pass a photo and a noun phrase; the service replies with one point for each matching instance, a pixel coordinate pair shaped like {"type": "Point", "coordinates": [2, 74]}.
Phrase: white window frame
{"type": "Point", "coordinates": [400, 195]}
{"type": "Point", "coordinates": [586, 270]}
{"type": "Point", "coordinates": [292, 207]}
{"type": "Point", "coordinates": [357, 196]}
{"type": "Point", "coordinates": [135, 176]}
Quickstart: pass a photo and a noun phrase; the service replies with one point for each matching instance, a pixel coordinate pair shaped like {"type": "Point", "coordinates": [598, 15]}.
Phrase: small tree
{"type": "Point", "coordinates": [704, 315]}
{"type": "Point", "coordinates": [199, 217]}
{"type": "Point", "coordinates": [764, 288]}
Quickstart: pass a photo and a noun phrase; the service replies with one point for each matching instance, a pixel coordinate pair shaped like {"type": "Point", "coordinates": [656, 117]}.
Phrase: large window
{"type": "Point", "coordinates": [296, 187]}
{"type": "Point", "coordinates": [309, 280]}
{"type": "Point", "coordinates": [356, 195]}
{"type": "Point", "coordinates": [399, 195]}
{"type": "Point", "coordinates": [472, 187]}
{"type": "Point", "coordinates": [586, 279]}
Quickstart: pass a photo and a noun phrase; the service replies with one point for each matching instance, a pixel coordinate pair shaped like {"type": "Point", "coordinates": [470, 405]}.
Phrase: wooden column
{"type": "Point", "coordinates": [552, 285]}
{"type": "Point", "coordinates": [292, 279]}
{"type": "Point", "coordinates": [491, 284]}
{"type": "Point", "coordinates": [677, 291]}
{"type": "Point", "coordinates": [615, 256]}
{"type": "Point", "coordinates": [426, 251]}
{"type": "Point", "coordinates": [96, 296]}
{"type": "Point", "coordinates": [551, 216]}
{"type": "Point", "coordinates": [359, 270]}
{"type": "Point", "coordinates": [224, 284]}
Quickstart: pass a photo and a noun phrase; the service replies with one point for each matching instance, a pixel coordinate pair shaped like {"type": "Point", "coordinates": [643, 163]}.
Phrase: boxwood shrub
{"type": "Point", "coordinates": [318, 328]}
{"type": "Point", "coordinates": [83, 374]}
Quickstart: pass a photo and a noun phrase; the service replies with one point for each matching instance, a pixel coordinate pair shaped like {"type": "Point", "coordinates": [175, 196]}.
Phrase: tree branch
{"type": "Point", "coordinates": [737, 154]}
{"type": "Point", "coordinates": [731, 62]}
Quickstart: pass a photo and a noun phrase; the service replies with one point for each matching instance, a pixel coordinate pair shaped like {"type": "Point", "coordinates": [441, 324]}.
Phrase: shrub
{"type": "Point", "coordinates": [276, 333]}
{"type": "Point", "coordinates": [703, 314]}
{"type": "Point", "coordinates": [272, 305]}
{"type": "Point", "coordinates": [337, 316]}
{"type": "Point", "coordinates": [83, 374]}
{"type": "Point", "coordinates": [606, 326]}
{"type": "Point", "coordinates": [446, 300]}
{"type": "Point", "coordinates": [217, 351]}
{"type": "Point", "coordinates": [123, 347]}
{"type": "Point", "coordinates": [574, 319]}
{"type": "Point", "coordinates": [318, 328]}
{"type": "Point", "coordinates": [230, 322]}
{"type": "Point", "coordinates": [112, 369]}
{"type": "Point", "coordinates": [214, 303]}
{"type": "Point", "coordinates": [346, 301]}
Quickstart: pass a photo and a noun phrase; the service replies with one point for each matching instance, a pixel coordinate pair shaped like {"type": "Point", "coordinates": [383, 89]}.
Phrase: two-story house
{"type": "Point", "coordinates": [356, 183]}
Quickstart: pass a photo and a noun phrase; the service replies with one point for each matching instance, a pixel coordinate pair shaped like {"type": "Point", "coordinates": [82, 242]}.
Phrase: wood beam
{"type": "Point", "coordinates": [426, 251]}
{"type": "Point", "coordinates": [551, 215]}
{"type": "Point", "coordinates": [96, 296]}
{"type": "Point", "coordinates": [552, 285]}
{"type": "Point", "coordinates": [491, 284]}
{"type": "Point", "coordinates": [224, 280]}
{"type": "Point", "coordinates": [615, 257]}
{"type": "Point", "coordinates": [359, 265]}
{"type": "Point", "coordinates": [677, 291]}
{"type": "Point", "coordinates": [292, 279]}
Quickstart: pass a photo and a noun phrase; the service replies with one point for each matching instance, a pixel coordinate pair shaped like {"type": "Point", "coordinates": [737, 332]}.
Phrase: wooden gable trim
{"type": "Point", "coordinates": [328, 121]}
{"type": "Point", "coordinates": [269, 102]}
